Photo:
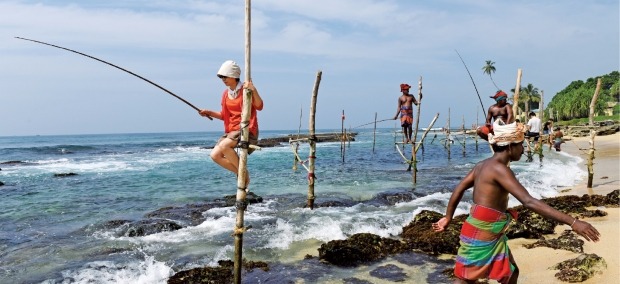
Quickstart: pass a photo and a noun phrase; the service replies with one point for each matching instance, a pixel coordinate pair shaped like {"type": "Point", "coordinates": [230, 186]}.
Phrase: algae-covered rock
{"type": "Point", "coordinates": [419, 233]}
{"type": "Point", "coordinates": [580, 269]}
{"type": "Point", "coordinates": [206, 275]}
{"type": "Point", "coordinates": [567, 241]}
{"type": "Point", "coordinates": [223, 273]}
{"type": "Point", "coordinates": [358, 249]}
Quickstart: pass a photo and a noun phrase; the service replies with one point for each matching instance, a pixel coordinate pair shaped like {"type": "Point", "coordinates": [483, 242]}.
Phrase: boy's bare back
{"type": "Point", "coordinates": [488, 191]}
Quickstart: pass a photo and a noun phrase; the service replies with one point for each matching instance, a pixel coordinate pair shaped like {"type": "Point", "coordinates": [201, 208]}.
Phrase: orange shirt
{"type": "Point", "coordinates": [231, 113]}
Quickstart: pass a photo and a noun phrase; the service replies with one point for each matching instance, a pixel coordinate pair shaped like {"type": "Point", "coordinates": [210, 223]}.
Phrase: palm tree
{"type": "Point", "coordinates": [529, 94]}
{"type": "Point", "coordinates": [488, 69]}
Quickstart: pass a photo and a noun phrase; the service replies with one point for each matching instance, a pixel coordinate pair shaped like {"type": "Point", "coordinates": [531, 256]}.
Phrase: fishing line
{"type": "Point", "coordinates": [121, 68]}
{"type": "Point", "coordinates": [373, 122]}
{"type": "Point", "coordinates": [470, 77]}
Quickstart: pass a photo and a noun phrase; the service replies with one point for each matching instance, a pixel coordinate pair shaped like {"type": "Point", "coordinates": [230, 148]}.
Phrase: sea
{"type": "Point", "coordinates": [59, 193]}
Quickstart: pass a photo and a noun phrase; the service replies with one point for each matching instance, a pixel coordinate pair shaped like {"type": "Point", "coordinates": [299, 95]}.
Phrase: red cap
{"type": "Point", "coordinates": [499, 94]}
{"type": "Point", "coordinates": [404, 87]}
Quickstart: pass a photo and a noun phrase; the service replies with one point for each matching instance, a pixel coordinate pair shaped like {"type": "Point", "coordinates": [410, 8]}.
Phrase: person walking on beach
{"type": "Point", "coordinates": [405, 108]}
{"type": "Point", "coordinates": [558, 139]}
{"type": "Point", "coordinates": [483, 251]}
{"type": "Point", "coordinates": [501, 111]}
{"type": "Point", "coordinates": [547, 130]}
{"type": "Point", "coordinates": [223, 152]}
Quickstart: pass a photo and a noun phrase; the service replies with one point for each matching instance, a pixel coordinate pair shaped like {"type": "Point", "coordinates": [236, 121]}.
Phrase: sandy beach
{"type": "Point", "coordinates": [534, 263]}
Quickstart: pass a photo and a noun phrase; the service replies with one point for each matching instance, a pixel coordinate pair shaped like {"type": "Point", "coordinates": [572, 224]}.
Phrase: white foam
{"type": "Point", "coordinates": [148, 271]}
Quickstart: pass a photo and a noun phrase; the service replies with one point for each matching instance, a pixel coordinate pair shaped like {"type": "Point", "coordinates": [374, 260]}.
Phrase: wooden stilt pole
{"type": "Point", "coordinates": [414, 159]}
{"type": "Point", "coordinates": [541, 114]}
{"type": "Point", "coordinates": [476, 135]}
{"type": "Point", "coordinates": [592, 134]}
{"type": "Point", "coordinates": [296, 147]}
{"type": "Point", "coordinates": [449, 136]}
{"type": "Point", "coordinates": [426, 132]}
{"type": "Point", "coordinates": [342, 137]}
{"type": "Point", "coordinates": [515, 108]}
{"type": "Point", "coordinates": [241, 203]}
{"type": "Point", "coordinates": [374, 134]}
{"type": "Point", "coordinates": [464, 136]}
{"type": "Point", "coordinates": [312, 141]}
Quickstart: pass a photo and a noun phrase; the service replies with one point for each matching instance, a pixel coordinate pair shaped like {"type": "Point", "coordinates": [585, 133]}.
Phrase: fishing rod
{"type": "Point", "coordinates": [472, 79]}
{"type": "Point", "coordinates": [373, 122]}
{"type": "Point", "coordinates": [103, 61]}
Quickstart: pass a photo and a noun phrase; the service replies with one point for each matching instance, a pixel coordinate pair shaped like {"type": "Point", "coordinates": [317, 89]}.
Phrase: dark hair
{"type": "Point", "coordinates": [498, 149]}
{"type": "Point", "coordinates": [532, 114]}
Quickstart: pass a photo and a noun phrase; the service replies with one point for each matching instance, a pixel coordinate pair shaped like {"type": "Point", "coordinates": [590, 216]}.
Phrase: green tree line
{"type": "Point", "coordinates": [574, 100]}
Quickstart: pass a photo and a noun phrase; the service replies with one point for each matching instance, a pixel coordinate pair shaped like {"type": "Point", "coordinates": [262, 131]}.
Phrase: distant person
{"type": "Point", "coordinates": [533, 127]}
{"type": "Point", "coordinates": [547, 127]}
{"type": "Point", "coordinates": [558, 139]}
{"type": "Point", "coordinates": [405, 109]}
{"type": "Point", "coordinates": [484, 251]}
{"type": "Point", "coordinates": [548, 130]}
{"type": "Point", "coordinates": [500, 111]}
{"type": "Point", "coordinates": [223, 152]}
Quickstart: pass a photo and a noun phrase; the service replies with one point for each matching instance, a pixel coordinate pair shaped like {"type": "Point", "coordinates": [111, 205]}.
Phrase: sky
{"type": "Point", "coordinates": [364, 48]}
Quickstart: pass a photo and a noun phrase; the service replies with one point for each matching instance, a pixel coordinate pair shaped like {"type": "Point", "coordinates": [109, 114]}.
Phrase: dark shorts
{"type": "Point", "coordinates": [236, 135]}
{"type": "Point", "coordinates": [534, 135]}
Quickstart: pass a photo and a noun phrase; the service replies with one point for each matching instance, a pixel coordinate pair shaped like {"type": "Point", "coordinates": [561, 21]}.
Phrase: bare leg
{"type": "Point", "coordinates": [407, 134]}
{"type": "Point", "coordinates": [410, 133]}
{"type": "Point", "coordinates": [224, 155]}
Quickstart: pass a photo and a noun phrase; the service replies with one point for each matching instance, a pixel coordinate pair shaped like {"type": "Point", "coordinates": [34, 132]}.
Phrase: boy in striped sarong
{"type": "Point", "coordinates": [484, 252]}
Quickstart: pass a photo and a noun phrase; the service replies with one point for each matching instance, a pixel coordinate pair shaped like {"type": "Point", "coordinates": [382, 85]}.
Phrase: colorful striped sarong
{"type": "Point", "coordinates": [484, 251]}
{"type": "Point", "coordinates": [406, 116]}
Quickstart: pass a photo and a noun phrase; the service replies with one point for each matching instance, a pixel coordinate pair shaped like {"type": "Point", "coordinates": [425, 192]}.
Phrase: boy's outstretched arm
{"type": "Point", "coordinates": [466, 183]}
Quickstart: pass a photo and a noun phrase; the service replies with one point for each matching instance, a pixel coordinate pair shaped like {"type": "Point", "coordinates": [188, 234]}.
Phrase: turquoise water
{"type": "Point", "coordinates": [53, 228]}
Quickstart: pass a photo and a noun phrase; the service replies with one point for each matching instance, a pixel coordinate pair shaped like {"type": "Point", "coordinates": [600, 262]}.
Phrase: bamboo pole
{"type": "Point", "coordinates": [515, 103]}
{"type": "Point", "coordinates": [241, 203]}
{"type": "Point", "coordinates": [592, 134]}
{"type": "Point", "coordinates": [541, 114]}
{"type": "Point", "coordinates": [342, 137]}
{"type": "Point", "coordinates": [312, 141]}
{"type": "Point", "coordinates": [374, 134]}
{"type": "Point", "coordinates": [464, 136]}
{"type": "Point", "coordinates": [420, 143]}
{"type": "Point", "coordinates": [296, 147]}
{"type": "Point", "coordinates": [448, 136]}
{"type": "Point", "coordinates": [426, 131]}
{"type": "Point", "coordinates": [476, 136]}
{"type": "Point", "coordinates": [415, 135]}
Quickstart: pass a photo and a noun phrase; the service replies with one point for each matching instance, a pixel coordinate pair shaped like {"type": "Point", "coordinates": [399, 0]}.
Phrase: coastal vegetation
{"type": "Point", "coordinates": [573, 102]}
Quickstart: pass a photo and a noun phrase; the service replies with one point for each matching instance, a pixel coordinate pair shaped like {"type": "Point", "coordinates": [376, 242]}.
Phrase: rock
{"type": "Point", "coordinates": [189, 215]}
{"type": "Point", "coordinates": [221, 274]}
{"type": "Point", "coordinates": [358, 249]}
{"type": "Point", "coordinates": [148, 227]}
{"type": "Point", "coordinates": [579, 269]}
{"type": "Point", "coordinates": [65, 175]}
{"type": "Point", "coordinates": [602, 128]}
{"type": "Point", "coordinates": [419, 233]}
{"type": "Point", "coordinates": [567, 241]}
{"type": "Point", "coordinates": [390, 198]}
{"type": "Point", "coordinates": [207, 275]}
{"type": "Point", "coordinates": [250, 198]}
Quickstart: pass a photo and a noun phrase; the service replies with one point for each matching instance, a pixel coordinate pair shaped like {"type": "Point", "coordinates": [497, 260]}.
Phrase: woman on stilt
{"type": "Point", "coordinates": [232, 104]}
